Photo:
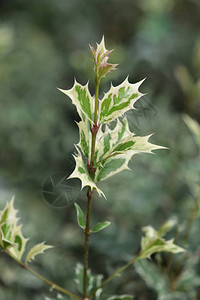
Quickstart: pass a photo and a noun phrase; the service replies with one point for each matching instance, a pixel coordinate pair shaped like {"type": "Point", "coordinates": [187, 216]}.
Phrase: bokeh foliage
{"type": "Point", "coordinates": [43, 45]}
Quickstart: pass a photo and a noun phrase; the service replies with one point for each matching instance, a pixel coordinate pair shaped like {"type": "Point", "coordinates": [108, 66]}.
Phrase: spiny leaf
{"type": "Point", "coordinates": [81, 98]}
{"type": "Point", "coordinates": [101, 56]}
{"type": "Point", "coordinates": [100, 226]}
{"type": "Point", "coordinates": [108, 138]}
{"type": "Point", "coordinates": [80, 216]}
{"type": "Point", "coordinates": [10, 233]}
{"type": "Point", "coordinates": [84, 141]}
{"type": "Point", "coordinates": [152, 243]}
{"type": "Point", "coordinates": [19, 243]}
{"type": "Point", "coordinates": [116, 159]}
{"type": "Point", "coordinates": [118, 100]}
{"type": "Point", "coordinates": [111, 166]}
{"type": "Point", "coordinates": [122, 297]}
{"type": "Point", "coordinates": [37, 249]}
{"type": "Point", "coordinates": [81, 172]}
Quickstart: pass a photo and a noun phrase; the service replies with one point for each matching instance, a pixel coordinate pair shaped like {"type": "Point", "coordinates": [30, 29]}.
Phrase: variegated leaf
{"type": "Point", "coordinates": [118, 100]}
{"type": "Point", "coordinates": [81, 172]}
{"type": "Point", "coordinates": [19, 243]}
{"type": "Point", "coordinates": [80, 216]}
{"type": "Point", "coordinates": [100, 226]}
{"type": "Point", "coordinates": [10, 233]}
{"type": "Point", "coordinates": [152, 243]}
{"type": "Point", "coordinates": [116, 159]}
{"type": "Point", "coordinates": [85, 137]}
{"type": "Point", "coordinates": [37, 249]}
{"type": "Point", "coordinates": [108, 138]}
{"type": "Point", "coordinates": [81, 98]}
{"type": "Point", "coordinates": [112, 166]}
{"type": "Point", "coordinates": [94, 281]}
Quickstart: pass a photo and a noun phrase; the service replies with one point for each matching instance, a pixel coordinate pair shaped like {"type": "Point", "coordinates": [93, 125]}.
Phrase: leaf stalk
{"type": "Point", "coordinates": [50, 283]}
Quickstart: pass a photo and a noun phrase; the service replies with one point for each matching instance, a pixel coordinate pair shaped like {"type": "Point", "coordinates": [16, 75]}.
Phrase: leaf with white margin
{"type": "Point", "coordinates": [80, 216]}
{"type": "Point", "coordinates": [94, 281]}
{"type": "Point", "coordinates": [100, 226]}
{"type": "Point", "coordinates": [152, 243]}
{"type": "Point", "coordinates": [19, 243]}
{"type": "Point", "coordinates": [10, 233]}
{"type": "Point", "coordinates": [118, 157]}
{"type": "Point", "coordinates": [81, 172]}
{"type": "Point", "coordinates": [84, 140]}
{"type": "Point", "coordinates": [112, 166]}
{"type": "Point", "coordinates": [133, 145]}
{"type": "Point", "coordinates": [118, 100]}
{"type": "Point", "coordinates": [81, 98]}
{"type": "Point", "coordinates": [109, 137]}
{"type": "Point", "coordinates": [37, 249]}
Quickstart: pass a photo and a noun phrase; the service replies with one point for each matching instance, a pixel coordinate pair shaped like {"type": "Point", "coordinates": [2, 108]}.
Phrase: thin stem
{"type": "Point", "coordinates": [94, 131]}
{"type": "Point", "coordinates": [132, 261]}
{"type": "Point", "coordinates": [86, 249]}
{"type": "Point", "coordinates": [52, 284]}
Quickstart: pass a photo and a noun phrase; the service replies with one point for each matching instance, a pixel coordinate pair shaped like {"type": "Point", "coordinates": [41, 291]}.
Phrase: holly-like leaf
{"type": "Point", "coordinates": [109, 137]}
{"type": "Point", "coordinates": [37, 249]}
{"type": "Point", "coordinates": [10, 232]}
{"type": "Point", "coordinates": [84, 142]}
{"type": "Point", "coordinates": [118, 100]}
{"type": "Point", "coordinates": [80, 216]}
{"type": "Point", "coordinates": [116, 158]}
{"type": "Point", "coordinates": [82, 99]}
{"type": "Point", "coordinates": [152, 243]}
{"type": "Point", "coordinates": [81, 172]}
{"type": "Point", "coordinates": [122, 297]}
{"type": "Point", "coordinates": [112, 166]}
{"type": "Point", "coordinates": [100, 226]}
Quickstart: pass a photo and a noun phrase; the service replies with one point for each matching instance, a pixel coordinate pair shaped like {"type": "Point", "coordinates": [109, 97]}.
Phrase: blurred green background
{"type": "Point", "coordinates": [44, 45]}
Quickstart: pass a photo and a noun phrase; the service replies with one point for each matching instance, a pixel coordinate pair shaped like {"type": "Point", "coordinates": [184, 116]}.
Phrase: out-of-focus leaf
{"type": "Point", "coordinates": [152, 243]}
{"type": "Point", "coordinates": [100, 226]}
{"type": "Point", "coordinates": [93, 282]}
{"type": "Point", "coordinates": [194, 128]}
{"type": "Point", "coordinates": [122, 297]}
{"type": "Point", "coordinates": [152, 276]}
{"type": "Point", "coordinates": [167, 226]}
{"type": "Point", "coordinates": [10, 233]}
{"type": "Point", "coordinates": [37, 249]}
